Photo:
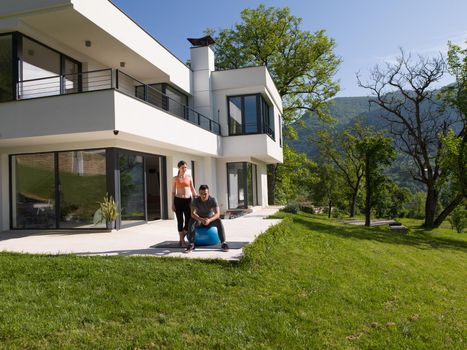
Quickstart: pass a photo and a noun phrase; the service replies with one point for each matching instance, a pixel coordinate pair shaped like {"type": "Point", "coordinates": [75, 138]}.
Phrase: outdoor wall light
{"type": "Point", "coordinates": [88, 43]}
{"type": "Point", "coordinates": [122, 64]}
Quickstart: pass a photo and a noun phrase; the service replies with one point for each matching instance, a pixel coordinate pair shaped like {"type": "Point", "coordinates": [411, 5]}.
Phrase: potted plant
{"type": "Point", "coordinates": [108, 212]}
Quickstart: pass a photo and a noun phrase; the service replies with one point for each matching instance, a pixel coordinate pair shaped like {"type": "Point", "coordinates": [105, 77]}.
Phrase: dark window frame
{"type": "Point", "coordinates": [14, 65]}
{"type": "Point", "coordinates": [260, 116]}
{"type": "Point", "coordinates": [17, 46]}
{"type": "Point", "coordinates": [254, 175]}
{"type": "Point", "coordinates": [112, 180]}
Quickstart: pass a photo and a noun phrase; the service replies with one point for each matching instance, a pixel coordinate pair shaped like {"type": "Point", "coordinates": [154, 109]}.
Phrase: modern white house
{"type": "Point", "coordinates": [90, 104]}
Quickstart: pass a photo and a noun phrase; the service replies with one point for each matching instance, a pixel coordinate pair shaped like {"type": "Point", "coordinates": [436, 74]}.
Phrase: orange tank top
{"type": "Point", "coordinates": [182, 186]}
{"type": "Point", "coordinates": [182, 182]}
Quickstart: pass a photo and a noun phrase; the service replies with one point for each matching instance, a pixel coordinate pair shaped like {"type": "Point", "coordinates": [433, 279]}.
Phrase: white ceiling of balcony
{"type": "Point", "coordinates": [70, 29]}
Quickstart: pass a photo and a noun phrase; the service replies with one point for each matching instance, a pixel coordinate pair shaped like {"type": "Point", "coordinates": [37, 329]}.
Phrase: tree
{"type": "Point", "coordinates": [302, 64]}
{"type": "Point", "coordinates": [295, 176]}
{"type": "Point", "coordinates": [327, 190]}
{"type": "Point", "coordinates": [389, 199]}
{"type": "Point", "coordinates": [340, 149]}
{"type": "Point", "coordinates": [402, 90]}
{"type": "Point", "coordinates": [377, 152]}
{"type": "Point", "coordinates": [453, 155]}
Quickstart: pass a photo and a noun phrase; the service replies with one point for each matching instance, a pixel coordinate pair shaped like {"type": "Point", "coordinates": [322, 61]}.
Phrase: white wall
{"type": "Point", "coordinates": [262, 178]}
{"type": "Point", "coordinates": [202, 65]}
{"type": "Point", "coordinates": [105, 15]}
{"type": "Point", "coordinates": [141, 120]}
{"type": "Point", "coordinates": [57, 115]}
{"type": "Point", "coordinates": [259, 146]}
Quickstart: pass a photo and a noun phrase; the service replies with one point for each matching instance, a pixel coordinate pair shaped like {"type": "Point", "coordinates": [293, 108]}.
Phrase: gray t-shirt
{"type": "Point", "coordinates": [204, 209]}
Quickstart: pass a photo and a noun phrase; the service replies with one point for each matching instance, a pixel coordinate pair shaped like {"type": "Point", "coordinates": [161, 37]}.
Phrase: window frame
{"type": "Point", "coordinates": [260, 122]}
{"type": "Point", "coordinates": [17, 59]}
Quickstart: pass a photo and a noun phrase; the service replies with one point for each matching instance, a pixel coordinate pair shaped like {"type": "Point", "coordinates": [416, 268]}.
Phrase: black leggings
{"type": "Point", "coordinates": [182, 208]}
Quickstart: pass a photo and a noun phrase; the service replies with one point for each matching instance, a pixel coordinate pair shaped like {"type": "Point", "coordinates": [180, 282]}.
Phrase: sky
{"type": "Point", "coordinates": [367, 32]}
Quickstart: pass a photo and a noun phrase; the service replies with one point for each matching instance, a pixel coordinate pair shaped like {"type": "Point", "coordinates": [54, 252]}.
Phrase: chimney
{"type": "Point", "coordinates": [202, 65]}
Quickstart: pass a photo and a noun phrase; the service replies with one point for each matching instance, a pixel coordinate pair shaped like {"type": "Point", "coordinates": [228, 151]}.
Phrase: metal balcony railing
{"type": "Point", "coordinates": [105, 79]}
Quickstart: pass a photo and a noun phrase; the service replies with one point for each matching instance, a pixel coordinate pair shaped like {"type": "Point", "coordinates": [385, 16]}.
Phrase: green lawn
{"type": "Point", "coordinates": [306, 283]}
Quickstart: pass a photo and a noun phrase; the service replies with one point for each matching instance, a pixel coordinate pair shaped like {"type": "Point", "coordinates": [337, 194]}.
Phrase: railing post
{"type": "Point", "coordinates": [116, 78]}
{"type": "Point", "coordinates": [210, 125]}
{"type": "Point", "coordinates": [62, 84]}
{"type": "Point", "coordinates": [112, 78]}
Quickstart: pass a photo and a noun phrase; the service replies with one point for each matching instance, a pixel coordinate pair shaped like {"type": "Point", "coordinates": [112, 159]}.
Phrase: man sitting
{"type": "Point", "coordinates": [205, 211]}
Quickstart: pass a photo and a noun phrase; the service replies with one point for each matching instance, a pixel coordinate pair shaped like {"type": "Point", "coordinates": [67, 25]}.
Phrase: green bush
{"type": "Point", "coordinates": [338, 213]}
{"type": "Point", "coordinates": [291, 208]}
{"type": "Point", "coordinates": [458, 219]}
{"type": "Point", "coordinates": [307, 208]}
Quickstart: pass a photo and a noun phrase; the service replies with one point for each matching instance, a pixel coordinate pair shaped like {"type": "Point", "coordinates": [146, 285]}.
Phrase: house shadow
{"type": "Point", "coordinates": [15, 234]}
{"type": "Point", "coordinates": [174, 245]}
{"type": "Point", "coordinates": [381, 234]}
{"type": "Point", "coordinates": [167, 249]}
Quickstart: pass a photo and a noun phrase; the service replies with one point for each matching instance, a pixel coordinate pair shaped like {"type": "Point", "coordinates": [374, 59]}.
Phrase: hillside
{"type": "Point", "coordinates": [346, 110]}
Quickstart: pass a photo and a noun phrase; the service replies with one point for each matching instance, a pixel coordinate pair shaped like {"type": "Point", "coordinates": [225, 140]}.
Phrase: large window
{"type": "Point", "coordinates": [242, 184]}
{"type": "Point", "coordinates": [132, 186]}
{"type": "Point", "coordinates": [82, 177]}
{"type": "Point", "coordinates": [62, 189]}
{"type": "Point", "coordinates": [33, 190]}
{"type": "Point", "coordinates": [72, 181]}
{"type": "Point", "coordinates": [6, 68]}
{"type": "Point", "coordinates": [34, 70]}
{"type": "Point", "coordinates": [250, 114]}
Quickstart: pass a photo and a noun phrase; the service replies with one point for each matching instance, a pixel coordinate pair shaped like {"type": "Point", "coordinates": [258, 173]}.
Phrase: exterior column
{"type": "Point", "coordinates": [202, 65]}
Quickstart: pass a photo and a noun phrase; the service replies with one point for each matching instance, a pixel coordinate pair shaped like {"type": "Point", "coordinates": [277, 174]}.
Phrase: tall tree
{"type": "Point", "coordinates": [302, 64]}
{"type": "Point", "coordinates": [327, 191]}
{"type": "Point", "coordinates": [402, 90]}
{"type": "Point", "coordinates": [296, 176]}
{"type": "Point", "coordinates": [340, 149]}
{"type": "Point", "coordinates": [377, 151]}
{"type": "Point", "coordinates": [453, 156]}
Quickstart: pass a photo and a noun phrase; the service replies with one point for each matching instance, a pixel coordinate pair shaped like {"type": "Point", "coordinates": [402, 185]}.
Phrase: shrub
{"type": "Point", "coordinates": [458, 219]}
{"type": "Point", "coordinates": [338, 213]}
{"type": "Point", "coordinates": [307, 208]}
{"type": "Point", "coordinates": [291, 208]}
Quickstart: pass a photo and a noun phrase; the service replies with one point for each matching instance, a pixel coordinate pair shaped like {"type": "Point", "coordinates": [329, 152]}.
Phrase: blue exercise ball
{"type": "Point", "coordinates": [205, 235]}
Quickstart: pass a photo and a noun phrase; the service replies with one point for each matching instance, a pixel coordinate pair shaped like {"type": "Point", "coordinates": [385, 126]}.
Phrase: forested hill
{"type": "Point", "coordinates": [344, 110]}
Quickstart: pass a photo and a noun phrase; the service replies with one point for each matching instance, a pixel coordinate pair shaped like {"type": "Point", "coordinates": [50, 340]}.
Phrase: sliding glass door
{"type": "Point", "coordinates": [82, 183]}
{"type": "Point", "coordinates": [242, 185]}
{"type": "Point", "coordinates": [33, 195]}
{"type": "Point", "coordinates": [62, 189]}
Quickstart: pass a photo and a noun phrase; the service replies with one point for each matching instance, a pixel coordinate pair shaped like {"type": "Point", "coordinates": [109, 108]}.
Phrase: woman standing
{"type": "Point", "coordinates": [182, 192]}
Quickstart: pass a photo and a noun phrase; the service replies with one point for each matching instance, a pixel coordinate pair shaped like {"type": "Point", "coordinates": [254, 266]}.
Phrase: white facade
{"type": "Point", "coordinates": [129, 97]}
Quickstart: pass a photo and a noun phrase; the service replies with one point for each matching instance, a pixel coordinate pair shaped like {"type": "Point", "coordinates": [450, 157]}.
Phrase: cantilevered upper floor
{"type": "Point", "coordinates": [79, 69]}
{"type": "Point", "coordinates": [96, 33]}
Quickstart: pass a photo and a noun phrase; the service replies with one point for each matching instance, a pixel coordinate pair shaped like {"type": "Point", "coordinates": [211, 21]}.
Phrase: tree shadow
{"type": "Point", "coordinates": [381, 234]}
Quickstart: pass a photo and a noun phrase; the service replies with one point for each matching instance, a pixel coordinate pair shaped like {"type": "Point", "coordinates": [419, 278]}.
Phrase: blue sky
{"type": "Point", "coordinates": [367, 32]}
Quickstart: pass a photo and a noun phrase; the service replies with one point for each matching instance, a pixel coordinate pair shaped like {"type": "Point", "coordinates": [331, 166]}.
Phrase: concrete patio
{"type": "Point", "coordinates": [157, 238]}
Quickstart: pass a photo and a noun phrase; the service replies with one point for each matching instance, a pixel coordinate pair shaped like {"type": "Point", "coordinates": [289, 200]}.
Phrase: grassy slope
{"type": "Point", "coordinates": [307, 284]}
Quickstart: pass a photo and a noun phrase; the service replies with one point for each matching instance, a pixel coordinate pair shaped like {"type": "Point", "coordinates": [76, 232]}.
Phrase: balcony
{"type": "Point", "coordinates": [110, 79]}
